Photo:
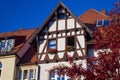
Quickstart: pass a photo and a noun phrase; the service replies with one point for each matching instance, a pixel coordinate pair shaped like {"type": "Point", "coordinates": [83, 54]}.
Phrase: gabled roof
{"type": "Point", "coordinates": [17, 34]}
{"type": "Point", "coordinates": [59, 5]}
{"type": "Point", "coordinates": [29, 58]}
{"type": "Point", "coordinates": [91, 16]}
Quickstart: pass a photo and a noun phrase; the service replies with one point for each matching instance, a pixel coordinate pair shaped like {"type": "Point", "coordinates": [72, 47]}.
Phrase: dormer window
{"type": "Point", "coordinates": [102, 23]}
{"type": "Point", "coordinates": [6, 45]}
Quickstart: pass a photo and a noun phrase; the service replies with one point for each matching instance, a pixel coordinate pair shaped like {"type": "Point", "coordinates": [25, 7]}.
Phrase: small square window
{"type": "Point", "coordinates": [52, 44]}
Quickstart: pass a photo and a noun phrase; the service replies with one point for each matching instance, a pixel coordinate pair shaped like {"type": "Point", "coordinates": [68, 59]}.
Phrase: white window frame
{"type": "Point", "coordinates": [56, 76]}
{"type": "Point", "coordinates": [31, 78]}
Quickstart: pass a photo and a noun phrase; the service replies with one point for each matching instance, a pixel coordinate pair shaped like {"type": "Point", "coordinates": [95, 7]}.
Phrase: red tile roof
{"type": "Point", "coordinates": [91, 16]}
{"type": "Point", "coordinates": [29, 58]}
{"type": "Point", "coordinates": [26, 33]}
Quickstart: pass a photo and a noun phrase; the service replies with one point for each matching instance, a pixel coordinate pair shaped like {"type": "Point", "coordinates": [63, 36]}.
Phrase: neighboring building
{"type": "Point", "coordinates": [63, 34]}
{"type": "Point", "coordinates": [34, 54]}
{"type": "Point", "coordinates": [13, 46]}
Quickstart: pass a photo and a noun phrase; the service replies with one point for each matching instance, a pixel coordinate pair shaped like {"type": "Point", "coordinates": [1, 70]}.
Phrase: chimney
{"type": "Point", "coordinates": [21, 29]}
{"type": "Point", "coordinates": [104, 11]}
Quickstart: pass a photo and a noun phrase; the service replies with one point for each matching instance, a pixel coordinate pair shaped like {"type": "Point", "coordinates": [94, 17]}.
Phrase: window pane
{"type": "Point", "coordinates": [20, 74]}
{"type": "Point", "coordinates": [31, 74]}
{"type": "Point", "coordinates": [10, 44]}
{"type": "Point", "coordinates": [25, 75]}
{"type": "Point", "coordinates": [0, 65]}
{"type": "Point", "coordinates": [52, 44]}
{"type": "Point", "coordinates": [106, 23]}
{"type": "Point", "coordinates": [90, 52]}
{"type": "Point", "coordinates": [3, 42]}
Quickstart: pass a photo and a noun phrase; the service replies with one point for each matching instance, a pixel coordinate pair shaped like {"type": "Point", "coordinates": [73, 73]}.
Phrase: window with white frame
{"type": "Point", "coordinates": [52, 44]}
{"type": "Point", "coordinates": [31, 74]}
{"type": "Point", "coordinates": [55, 76]}
{"type": "Point", "coordinates": [6, 45]}
{"type": "Point", "coordinates": [25, 74]}
{"type": "Point", "coordinates": [102, 23]}
{"type": "Point", "coordinates": [20, 75]}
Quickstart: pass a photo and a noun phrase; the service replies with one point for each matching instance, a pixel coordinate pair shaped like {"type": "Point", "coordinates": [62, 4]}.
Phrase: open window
{"type": "Point", "coordinates": [70, 42]}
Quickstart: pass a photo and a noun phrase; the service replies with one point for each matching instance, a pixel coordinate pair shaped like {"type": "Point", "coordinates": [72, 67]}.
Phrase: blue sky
{"type": "Point", "coordinates": [15, 14]}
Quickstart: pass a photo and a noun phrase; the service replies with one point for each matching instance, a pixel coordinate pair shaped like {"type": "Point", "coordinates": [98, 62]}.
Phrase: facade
{"type": "Point", "coordinates": [62, 35]}
{"type": "Point", "coordinates": [34, 54]}
{"type": "Point", "coordinates": [13, 46]}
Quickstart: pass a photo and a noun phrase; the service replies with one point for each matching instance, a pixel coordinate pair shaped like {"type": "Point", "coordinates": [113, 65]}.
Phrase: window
{"type": "Point", "coordinates": [0, 68]}
{"type": "Point", "coordinates": [6, 45]}
{"type": "Point", "coordinates": [31, 74]}
{"type": "Point", "coordinates": [102, 23]}
{"type": "Point", "coordinates": [70, 41]}
{"type": "Point", "coordinates": [55, 76]}
{"type": "Point", "coordinates": [90, 52]}
{"type": "Point", "coordinates": [61, 16]}
{"type": "Point", "coordinates": [25, 74]}
{"type": "Point", "coordinates": [20, 75]}
{"type": "Point", "coordinates": [52, 44]}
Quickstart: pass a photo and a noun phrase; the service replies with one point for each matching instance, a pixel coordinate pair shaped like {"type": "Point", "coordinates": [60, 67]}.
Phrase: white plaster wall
{"type": "Point", "coordinates": [8, 67]}
{"type": "Point", "coordinates": [81, 40]}
{"type": "Point", "coordinates": [70, 23]}
{"type": "Point", "coordinates": [61, 44]}
{"type": "Point", "coordinates": [52, 26]}
{"type": "Point", "coordinates": [61, 24]}
{"type": "Point", "coordinates": [42, 46]}
{"type": "Point", "coordinates": [77, 25]}
{"type": "Point", "coordinates": [45, 68]}
{"type": "Point", "coordinates": [28, 68]}
{"type": "Point", "coordinates": [60, 54]}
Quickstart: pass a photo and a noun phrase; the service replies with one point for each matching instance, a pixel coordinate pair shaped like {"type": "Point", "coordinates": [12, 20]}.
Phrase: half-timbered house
{"type": "Point", "coordinates": [62, 35]}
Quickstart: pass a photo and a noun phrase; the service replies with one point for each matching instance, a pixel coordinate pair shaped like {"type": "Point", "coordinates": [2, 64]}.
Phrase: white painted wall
{"type": "Point", "coordinates": [52, 26]}
{"type": "Point", "coordinates": [42, 46]}
{"type": "Point", "coordinates": [45, 68]}
{"type": "Point", "coordinates": [8, 67]}
{"type": "Point", "coordinates": [61, 44]}
{"type": "Point", "coordinates": [61, 24]}
{"type": "Point", "coordinates": [81, 40]}
{"type": "Point", "coordinates": [70, 23]}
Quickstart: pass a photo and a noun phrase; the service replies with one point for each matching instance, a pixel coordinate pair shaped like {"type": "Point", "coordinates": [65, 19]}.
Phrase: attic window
{"type": "Point", "coordinates": [102, 23]}
{"type": "Point", "coordinates": [6, 45]}
{"type": "Point", "coordinates": [61, 16]}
